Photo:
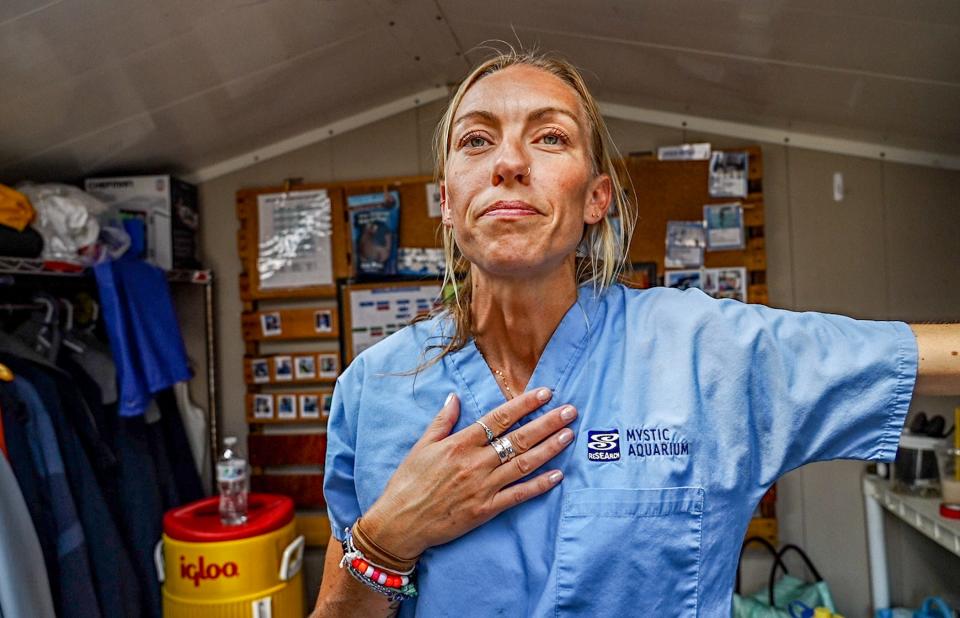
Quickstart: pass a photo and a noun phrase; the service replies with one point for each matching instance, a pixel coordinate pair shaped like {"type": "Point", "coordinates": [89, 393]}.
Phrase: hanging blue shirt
{"type": "Point", "coordinates": [143, 331]}
{"type": "Point", "coordinates": [690, 408]}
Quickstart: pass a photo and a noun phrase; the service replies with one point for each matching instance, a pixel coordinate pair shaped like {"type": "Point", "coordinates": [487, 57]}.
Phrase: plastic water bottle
{"type": "Point", "coordinates": [232, 479]}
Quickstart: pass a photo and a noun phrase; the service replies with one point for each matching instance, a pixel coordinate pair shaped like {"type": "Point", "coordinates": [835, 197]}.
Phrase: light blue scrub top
{"type": "Point", "coordinates": [690, 408]}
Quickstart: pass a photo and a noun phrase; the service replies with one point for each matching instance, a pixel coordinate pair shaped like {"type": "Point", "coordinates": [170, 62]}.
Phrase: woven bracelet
{"type": "Point", "coordinates": [374, 576]}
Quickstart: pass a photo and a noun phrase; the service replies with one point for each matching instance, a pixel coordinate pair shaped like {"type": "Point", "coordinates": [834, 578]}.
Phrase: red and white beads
{"type": "Point", "coordinates": [384, 578]}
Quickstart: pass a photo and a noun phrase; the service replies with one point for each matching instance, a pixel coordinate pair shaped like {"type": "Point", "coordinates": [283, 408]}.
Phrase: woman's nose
{"type": "Point", "coordinates": [511, 167]}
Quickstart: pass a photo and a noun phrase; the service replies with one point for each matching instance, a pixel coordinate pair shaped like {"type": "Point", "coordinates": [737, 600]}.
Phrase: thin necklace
{"type": "Point", "coordinates": [498, 373]}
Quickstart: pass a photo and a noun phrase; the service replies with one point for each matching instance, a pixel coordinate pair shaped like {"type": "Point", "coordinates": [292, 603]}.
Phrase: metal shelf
{"type": "Point", "coordinates": [24, 266]}
{"type": "Point", "coordinates": [921, 513]}
{"type": "Point", "coordinates": [34, 267]}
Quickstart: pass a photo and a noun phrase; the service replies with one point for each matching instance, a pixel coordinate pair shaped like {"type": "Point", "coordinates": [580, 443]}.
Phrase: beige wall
{"type": "Point", "coordinates": [887, 251]}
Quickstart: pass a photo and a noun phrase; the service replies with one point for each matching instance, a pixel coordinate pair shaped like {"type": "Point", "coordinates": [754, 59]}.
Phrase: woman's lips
{"type": "Point", "coordinates": [510, 209]}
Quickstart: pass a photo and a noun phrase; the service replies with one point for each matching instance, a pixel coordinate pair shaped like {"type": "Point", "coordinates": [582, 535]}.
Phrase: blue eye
{"type": "Point", "coordinates": [476, 142]}
{"type": "Point", "coordinates": [551, 139]}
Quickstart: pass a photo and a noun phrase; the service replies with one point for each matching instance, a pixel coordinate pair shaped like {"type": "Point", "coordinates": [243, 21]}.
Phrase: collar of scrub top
{"type": "Point", "coordinates": [480, 390]}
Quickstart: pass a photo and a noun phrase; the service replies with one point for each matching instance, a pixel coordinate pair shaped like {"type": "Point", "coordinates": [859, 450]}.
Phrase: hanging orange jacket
{"type": "Point", "coordinates": [15, 209]}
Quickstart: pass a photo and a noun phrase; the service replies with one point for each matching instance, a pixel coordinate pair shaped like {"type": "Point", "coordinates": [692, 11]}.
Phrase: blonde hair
{"type": "Point", "coordinates": [603, 249]}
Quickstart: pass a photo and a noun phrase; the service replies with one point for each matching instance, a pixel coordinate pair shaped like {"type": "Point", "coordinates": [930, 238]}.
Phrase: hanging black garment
{"type": "Point", "coordinates": [187, 481]}
{"type": "Point", "coordinates": [117, 593]}
{"type": "Point", "coordinates": [130, 487]}
{"type": "Point", "coordinates": [142, 503]}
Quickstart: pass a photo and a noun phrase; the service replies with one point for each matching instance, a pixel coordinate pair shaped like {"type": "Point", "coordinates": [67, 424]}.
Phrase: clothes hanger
{"type": "Point", "coordinates": [44, 340]}
{"type": "Point", "coordinates": [68, 339]}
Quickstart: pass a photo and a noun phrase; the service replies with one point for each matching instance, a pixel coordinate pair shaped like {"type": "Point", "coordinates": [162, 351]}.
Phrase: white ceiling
{"type": "Point", "coordinates": [97, 86]}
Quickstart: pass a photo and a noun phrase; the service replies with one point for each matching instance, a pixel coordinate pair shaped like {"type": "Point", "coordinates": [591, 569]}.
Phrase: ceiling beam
{"type": "Point", "coordinates": [811, 141]}
{"type": "Point", "coordinates": [317, 135]}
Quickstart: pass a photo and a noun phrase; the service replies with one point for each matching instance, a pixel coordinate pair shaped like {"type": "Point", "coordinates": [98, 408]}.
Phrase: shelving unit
{"type": "Point", "coordinates": [14, 267]}
{"type": "Point", "coordinates": [923, 514]}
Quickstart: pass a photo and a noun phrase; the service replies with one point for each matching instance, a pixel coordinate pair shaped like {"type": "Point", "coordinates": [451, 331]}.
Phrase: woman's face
{"type": "Point", "coordinates": [518, 181]}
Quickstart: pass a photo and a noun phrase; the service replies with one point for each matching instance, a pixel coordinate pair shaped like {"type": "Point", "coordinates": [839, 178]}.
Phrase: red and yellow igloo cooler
{"type": "Point", "coordinates": [211, 570]}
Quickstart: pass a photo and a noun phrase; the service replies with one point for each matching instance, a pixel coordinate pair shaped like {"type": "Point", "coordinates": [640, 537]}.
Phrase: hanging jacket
{"type": "Point", "coordinates": [24, 589]}
{"type": "Point", "coordinates": [77, 596]}
{"type": "Point", "coordinates": [117, 593]}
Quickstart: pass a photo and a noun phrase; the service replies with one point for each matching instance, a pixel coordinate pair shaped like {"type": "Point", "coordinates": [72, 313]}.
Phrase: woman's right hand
{"type": "Point", "coordinates": [450, 484]}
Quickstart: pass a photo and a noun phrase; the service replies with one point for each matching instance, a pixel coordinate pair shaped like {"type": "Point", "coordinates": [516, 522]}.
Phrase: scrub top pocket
{"type": "Point", "coordinates": [629, 552]}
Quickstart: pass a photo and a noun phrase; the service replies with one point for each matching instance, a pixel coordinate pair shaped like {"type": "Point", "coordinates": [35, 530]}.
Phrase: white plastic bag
{"type": "Point", "coordinates": [76, 227]}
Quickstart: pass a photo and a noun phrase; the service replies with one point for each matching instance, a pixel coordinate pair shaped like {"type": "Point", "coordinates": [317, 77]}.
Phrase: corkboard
{"type": "Point", "coordinates": [677, 191]}
{"type": "Point", "coordinates": [417, 230]}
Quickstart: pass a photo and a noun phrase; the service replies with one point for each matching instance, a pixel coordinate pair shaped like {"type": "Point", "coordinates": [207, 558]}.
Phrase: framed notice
{"type": "Point", "coordinates": [374, 311]}
{"type": "Point", "coordinates": [294, 231]}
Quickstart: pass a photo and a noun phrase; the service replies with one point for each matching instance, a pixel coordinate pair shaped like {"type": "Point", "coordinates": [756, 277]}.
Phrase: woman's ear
{"type": "Point", "coordinates": [598, 199]}
{"type": "Point", "coordinates": [445, 216]}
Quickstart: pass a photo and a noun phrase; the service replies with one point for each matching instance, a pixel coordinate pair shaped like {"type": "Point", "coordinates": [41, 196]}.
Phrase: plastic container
{"type": "Point", "coordinates": [948, 458]}
{"type": "Point", "coordinates": [247, 570]}
{"type": "Point", "coordinates": [915, 468]}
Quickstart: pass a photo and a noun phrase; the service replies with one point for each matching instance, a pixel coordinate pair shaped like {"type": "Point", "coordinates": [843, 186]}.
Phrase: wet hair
{"type": "Point", "coordinates": [603, 248]}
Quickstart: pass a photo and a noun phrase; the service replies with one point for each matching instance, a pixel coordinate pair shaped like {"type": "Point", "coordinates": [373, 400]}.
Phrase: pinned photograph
{"type": "Point", "coordinates": [327, 404]}
{"type": "Point", "coordinates": [270, 324]}
{"type": "Point", "coordinates": [263, 406]}
{"type": "Point", "coordinates": [309, 406]}
{"type": "Point", "coordinates": [724, 224]}
{"type": "Point", "coordinates": [710, 280]}
{"type": "Point", "coordinates": [329, 365]}
{"type": "Point", "coordinates": [286, 406]}
{"type": "Point", "coordinates": [260, 370]}
{"type": "Point", "coordinates": [282, 368]}
{"type": "Point", "coordinates": [323, 321]}
{"type": "Point", "coordinates": [684, 244]}
{"type": "Point", "coordinates": [728, 174]}
{"type": "Point", "coordinates": [684, 279]}
{"type": "Point", "coordinates": [305, 367]}
{"type": "Point", "coordinates": [731, 283]}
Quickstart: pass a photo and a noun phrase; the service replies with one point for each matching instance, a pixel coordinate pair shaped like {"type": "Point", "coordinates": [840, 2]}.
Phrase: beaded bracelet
{"type": "Point", "coordinates": [395, 586]}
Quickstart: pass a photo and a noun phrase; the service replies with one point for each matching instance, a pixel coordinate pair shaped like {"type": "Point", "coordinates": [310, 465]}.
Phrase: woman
{"type": "Point", "coordinates": [598, 450]}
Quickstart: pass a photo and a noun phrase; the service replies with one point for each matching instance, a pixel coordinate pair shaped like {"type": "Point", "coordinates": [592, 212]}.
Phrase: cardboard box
{"type": "Point", "coordinates": [168, 209]}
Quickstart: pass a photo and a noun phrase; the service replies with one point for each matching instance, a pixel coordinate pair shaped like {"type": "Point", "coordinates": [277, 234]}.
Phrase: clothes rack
{"type": "Point", "coordinates": [13, 270]}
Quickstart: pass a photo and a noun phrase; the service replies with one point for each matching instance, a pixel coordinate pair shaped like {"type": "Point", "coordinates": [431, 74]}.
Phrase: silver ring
{"type": "Point", "coordinates": [504, 449]}
{"type": "Point", "coordinates": [490, 436]}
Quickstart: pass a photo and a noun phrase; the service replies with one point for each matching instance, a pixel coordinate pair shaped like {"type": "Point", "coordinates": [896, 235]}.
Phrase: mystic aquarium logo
{"type": "Point", "coordinates": [643, 442]}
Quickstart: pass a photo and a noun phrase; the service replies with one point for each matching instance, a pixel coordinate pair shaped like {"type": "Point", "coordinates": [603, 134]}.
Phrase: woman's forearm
{"type": "Point", "coordinates": [938, 346]}
{"type": "Point", "coordinates": [341, 596]}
